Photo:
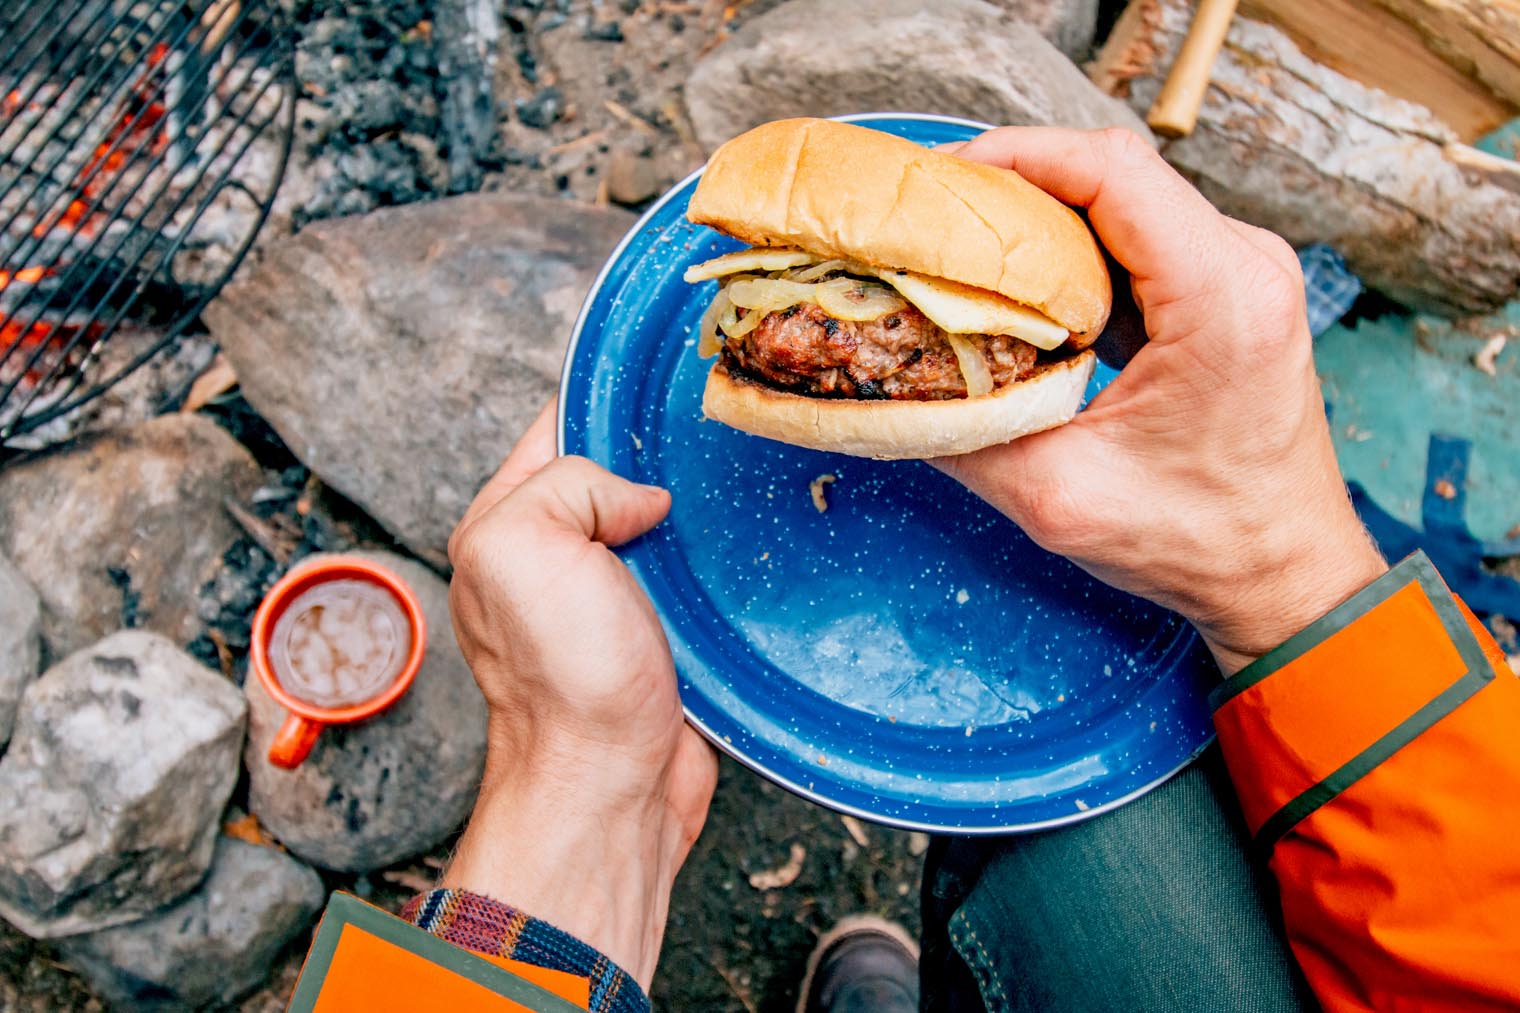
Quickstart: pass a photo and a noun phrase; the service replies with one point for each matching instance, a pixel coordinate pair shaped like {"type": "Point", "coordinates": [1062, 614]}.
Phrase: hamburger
{"type": "Point", "coordinates": [893, 302]}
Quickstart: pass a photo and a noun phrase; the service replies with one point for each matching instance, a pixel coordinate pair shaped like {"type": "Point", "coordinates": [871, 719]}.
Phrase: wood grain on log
{"type": "Point", "coordinates": [1297, 148]}
{"type": "Point", "coordinates": [1412, 49]}
{"type": "Point", "coordinates": [1480, 37]}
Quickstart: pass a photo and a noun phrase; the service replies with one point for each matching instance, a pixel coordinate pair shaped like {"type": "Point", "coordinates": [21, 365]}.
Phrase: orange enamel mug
{"type": "Point", "coordinates": [305, 721]}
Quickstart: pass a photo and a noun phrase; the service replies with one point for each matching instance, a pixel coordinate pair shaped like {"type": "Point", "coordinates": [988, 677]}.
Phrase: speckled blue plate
{"type": "Point", "coordinates": [908, 656]}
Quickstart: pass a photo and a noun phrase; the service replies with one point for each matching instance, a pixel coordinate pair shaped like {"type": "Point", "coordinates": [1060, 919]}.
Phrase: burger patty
{"type": "Point", "coordinates": [901, 356]}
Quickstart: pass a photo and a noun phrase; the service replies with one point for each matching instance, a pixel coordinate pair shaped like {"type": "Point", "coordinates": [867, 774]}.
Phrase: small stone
{"type": "Point", "coordinates": [125, 528]}
{"type": "Point", "coordinates": [213, 945]}
{"type": "Point", "coordinates": [373, 793]}
{"type": "Point", "coordinates": [607, 31]}
{"type": "Point", "coordinates": [956, 57]}
{"type": "Point", "coordinates": [110, 794]}
{"type": "Point", "coordinates": [20, 642]}
{"type": "Point", "coordinates": [542, 110]}
{"type": "Point", "coordinates": [631, 177]}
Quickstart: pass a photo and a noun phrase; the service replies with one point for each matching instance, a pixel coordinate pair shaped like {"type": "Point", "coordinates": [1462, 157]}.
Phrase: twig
{"type": "Point", "coordinates": [733, 986]}
{"type": "Point", "coordinates": [259, 530]}
{"type": "Point", "coordinates": [629, 117]}
{"type": "Point", "coordinates": [578, 142]}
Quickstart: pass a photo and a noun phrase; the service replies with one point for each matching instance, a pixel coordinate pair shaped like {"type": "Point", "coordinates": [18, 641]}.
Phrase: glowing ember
{"type": "Point", "coordinates": [138, 126]}
{"type": "Point", "coordinates": [27, 276]}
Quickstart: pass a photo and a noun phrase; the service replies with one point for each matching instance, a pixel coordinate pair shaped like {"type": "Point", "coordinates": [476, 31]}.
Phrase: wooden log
{"type": "Point", "coordinates": [1425, 51]}
{"type": "Point", "coordinates": [1295, 147]}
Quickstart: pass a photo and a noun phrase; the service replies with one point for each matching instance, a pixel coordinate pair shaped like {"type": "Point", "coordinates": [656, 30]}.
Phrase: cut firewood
{"type": "Point", "coordinates": [1458, 58]}
{"type": "Point", "coordinates": [1295, 147]}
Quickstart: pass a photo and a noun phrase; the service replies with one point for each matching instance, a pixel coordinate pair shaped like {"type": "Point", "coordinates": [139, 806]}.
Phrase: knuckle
{"type": "Point", "coordinates": [463, 554]}
{"type": "Point", "coordinates": [1124, 147]}
{"type": "Point", "coordinates": [1063, 522]}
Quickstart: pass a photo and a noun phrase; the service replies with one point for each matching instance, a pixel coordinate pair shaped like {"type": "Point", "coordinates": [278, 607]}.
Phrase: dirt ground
{"type": "Point", "coordinates": [729, 948]}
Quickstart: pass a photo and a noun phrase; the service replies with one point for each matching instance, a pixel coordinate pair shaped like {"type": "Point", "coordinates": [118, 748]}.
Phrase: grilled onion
{"type": "Point", "coordinates": [758, 259]}
{"type": "Point", "coordinates": [766, 295]}
{"type": "Point", "coordinates": [708, 342]}
{"type": "Point", "coordinates": [816, 271]}
{"type": "Point", "coordinates": [968, 354]}
{"type": "Point", "coordinates": [852, 299]}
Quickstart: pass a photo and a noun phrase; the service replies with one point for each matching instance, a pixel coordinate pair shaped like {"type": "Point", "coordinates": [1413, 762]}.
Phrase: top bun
{"type": "Point", "coordinates": [851, 192]}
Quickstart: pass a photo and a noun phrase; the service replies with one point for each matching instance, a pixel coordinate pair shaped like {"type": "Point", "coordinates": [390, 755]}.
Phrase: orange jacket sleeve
{"type": "Point", "coordinates": [1377, 760]}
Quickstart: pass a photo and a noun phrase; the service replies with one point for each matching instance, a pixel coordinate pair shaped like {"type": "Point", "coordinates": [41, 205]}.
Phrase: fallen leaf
{"type": "Point", "coordinates": [1444, 489]}
{"type": "Point", "coordinates": [248, 830]}
{"type": "Point", "coordinates": [782, 876]}
{"type": "Point", "coordinates": [218, 379]}
{"type": "Point", "coordinates": [917, 844]}
{"type": "Point", "coordinates": [408, 879]}
{"type": "Point", "coordinates": [857, 832]}
{"type": "Point", "coordinates": [1484, 360]}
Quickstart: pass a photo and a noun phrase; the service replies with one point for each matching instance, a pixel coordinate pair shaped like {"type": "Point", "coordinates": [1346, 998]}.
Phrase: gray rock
{"type": "Point", "coordinates": [20, 642]}
{"type": "Point", "coordinates": [123, 758]}
{"type": "Point", "coordinates": [212, 946]}
{"type": "Point", "coordinates": [123, 529]}
{"type": "Point", "coordinates": [1068, 24]}
{"type": "Point", "coordinates": [373, 793]}
{"type": "Point", "coordinates": [401, 353]}
{"type": "Point", "coordinates": [956, 57]}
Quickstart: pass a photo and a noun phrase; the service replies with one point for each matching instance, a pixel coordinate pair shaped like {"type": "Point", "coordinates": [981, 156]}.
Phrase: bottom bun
{"type": "Point", "coordinates": [892, 430]}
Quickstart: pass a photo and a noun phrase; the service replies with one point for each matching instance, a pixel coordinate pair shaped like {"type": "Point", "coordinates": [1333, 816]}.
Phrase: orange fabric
{"type": "Point", "coordinates": [1403, 635]}
{"type": "Point", "coordinates": [1403, 891]}
{"type": "Point", "coordinates": [376, 976]}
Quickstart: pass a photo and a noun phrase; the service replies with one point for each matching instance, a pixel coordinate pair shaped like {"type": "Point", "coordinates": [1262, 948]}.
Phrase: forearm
{"type": "Point", "coordinates": [602, 874]}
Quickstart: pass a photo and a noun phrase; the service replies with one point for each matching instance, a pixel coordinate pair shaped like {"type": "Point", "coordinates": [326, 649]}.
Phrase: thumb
{"type": "Point", "coordinates": [1027, 480]}
{"type": "Point", "coordinates": [572, 494]}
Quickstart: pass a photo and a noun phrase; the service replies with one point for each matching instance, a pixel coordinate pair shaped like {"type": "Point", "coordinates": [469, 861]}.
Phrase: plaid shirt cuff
{"type": "Point", "coordinates": [482, 925]}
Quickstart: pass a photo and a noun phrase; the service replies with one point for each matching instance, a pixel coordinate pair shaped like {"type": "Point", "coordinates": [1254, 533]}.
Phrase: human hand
{"type": "Point", "coordinates": [1203, 477]}
{"type": "Point", "coordinates": [595, 787]}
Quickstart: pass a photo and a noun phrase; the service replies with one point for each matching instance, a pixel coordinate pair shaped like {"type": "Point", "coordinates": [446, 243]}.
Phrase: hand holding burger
{"type": "Point", "coordinates": [1203, 477]}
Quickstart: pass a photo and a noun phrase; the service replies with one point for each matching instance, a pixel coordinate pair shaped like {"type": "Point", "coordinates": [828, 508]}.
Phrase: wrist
{"type": "Point", "coordinates": [561, 852]}
{"type": "Point", "coordinates": [1293, 596]}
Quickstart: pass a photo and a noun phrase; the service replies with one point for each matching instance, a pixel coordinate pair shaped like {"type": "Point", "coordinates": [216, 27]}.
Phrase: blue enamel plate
{"type": "Point", "coordinates": [907, 655]}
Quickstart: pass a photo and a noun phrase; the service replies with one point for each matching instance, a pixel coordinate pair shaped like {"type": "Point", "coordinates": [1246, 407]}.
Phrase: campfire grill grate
{"type": "Point", "coordinates": [141, 146]}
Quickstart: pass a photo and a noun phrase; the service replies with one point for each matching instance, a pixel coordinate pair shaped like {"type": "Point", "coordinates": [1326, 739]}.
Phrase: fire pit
{"type": "Point", "coordinates": [141, 148]}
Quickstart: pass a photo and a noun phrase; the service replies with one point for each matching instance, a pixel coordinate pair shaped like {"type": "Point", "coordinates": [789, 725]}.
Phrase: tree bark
{"type": "Point", "coordinates": [1295, 147]}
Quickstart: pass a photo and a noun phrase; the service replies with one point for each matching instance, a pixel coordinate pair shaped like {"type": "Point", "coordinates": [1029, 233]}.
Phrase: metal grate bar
{"type": "Point", "coordinates": [102, 260]}
{"type": "Point", "coordinates": [52, 21]}
{"type": "Point", "coordinates": [32, 246]}
{"type": "Point", "coordinates": [82, 96]}
{"type": "Point", "coordinates": [74, 381]}
{"type": "Point", "coordinates": [134, 120]}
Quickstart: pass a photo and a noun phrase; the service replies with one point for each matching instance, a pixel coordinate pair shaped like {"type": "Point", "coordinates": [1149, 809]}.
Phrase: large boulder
{"type": "Point", "coordinates": [123, 529]}
{"type": "Point", "coordinates": [110, 794]}
{"type": "Point", "coordinates": [1068, 24]}
{"type": "Point", "coordinates": [373, 793]}
{"type": "Point", "coordinates": [212, 946]}
{"type": "Point", "coordinates": [20, 642]}
{"type": "Point", "coordinates": [400, 354]}
{"type": "Point", "coordinates": [956, 57]}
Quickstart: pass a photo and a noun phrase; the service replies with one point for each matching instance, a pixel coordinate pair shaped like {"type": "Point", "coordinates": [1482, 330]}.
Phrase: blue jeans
{"type": "Point", "coordinates": [1155, 906]}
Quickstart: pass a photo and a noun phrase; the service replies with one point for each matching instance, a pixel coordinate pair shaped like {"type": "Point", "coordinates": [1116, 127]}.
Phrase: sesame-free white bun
{"type": "Point", "coordinates": [851, 192]}
{"type": "Point", "coordinates": [893, 430]}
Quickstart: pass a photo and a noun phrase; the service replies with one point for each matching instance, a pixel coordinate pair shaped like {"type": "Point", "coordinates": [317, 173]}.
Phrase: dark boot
{"type": "Point", "coordinates": [864, 964]}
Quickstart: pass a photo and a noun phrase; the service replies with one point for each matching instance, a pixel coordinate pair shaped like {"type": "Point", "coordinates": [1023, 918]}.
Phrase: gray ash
{"type": "Point", "coordinates": [368, 77]}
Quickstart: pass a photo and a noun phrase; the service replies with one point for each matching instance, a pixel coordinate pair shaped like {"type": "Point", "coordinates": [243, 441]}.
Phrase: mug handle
{"type": "Point", "coordinates": [294, 741]}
